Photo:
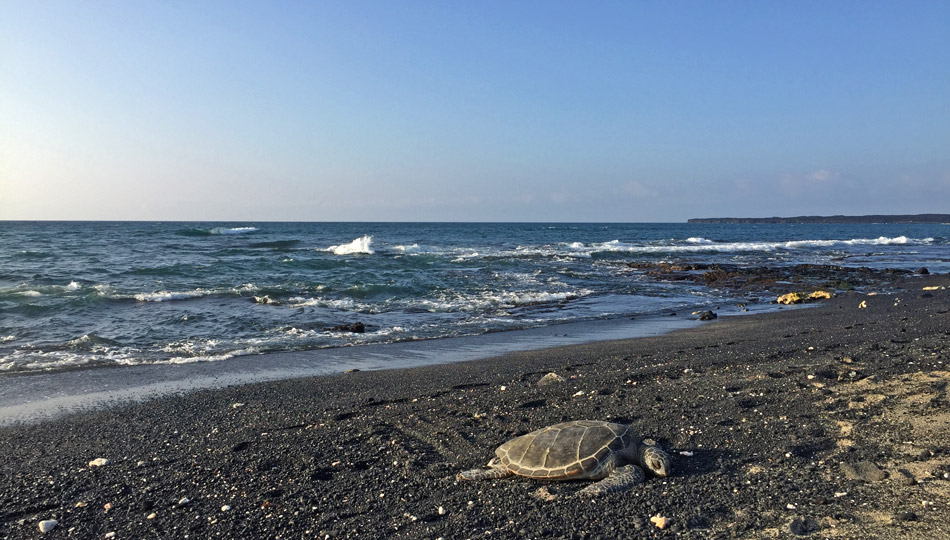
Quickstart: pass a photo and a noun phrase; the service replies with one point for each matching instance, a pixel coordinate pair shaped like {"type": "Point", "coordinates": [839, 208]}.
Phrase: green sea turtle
{"type": "Point", "coordinates": [578, 450]}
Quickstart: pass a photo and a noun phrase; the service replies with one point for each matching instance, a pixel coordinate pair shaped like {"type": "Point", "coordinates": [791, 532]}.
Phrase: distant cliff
{"type": "Point", "coordinates": [917, 218]}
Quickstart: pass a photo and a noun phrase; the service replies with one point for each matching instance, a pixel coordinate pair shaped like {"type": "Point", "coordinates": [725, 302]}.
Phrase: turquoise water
{"type": "Point", "coordinates": [84, 294]}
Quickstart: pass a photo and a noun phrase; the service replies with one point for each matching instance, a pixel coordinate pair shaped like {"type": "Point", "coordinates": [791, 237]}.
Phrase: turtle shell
{"type": "Point", "coordinates": [576, 449]}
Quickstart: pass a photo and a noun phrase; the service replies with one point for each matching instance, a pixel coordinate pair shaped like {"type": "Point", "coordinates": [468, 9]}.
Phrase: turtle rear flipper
{"type": "Point", "coordinates": [483, 474]}
{"type": "Point", "coordinates": [622, 479]}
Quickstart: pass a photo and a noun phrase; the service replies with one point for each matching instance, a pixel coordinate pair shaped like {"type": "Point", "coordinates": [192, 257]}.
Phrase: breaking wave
{"type": "Point", "coordinates": [360, 245]}
{"type": "Point", "coordinates": [165, 296]}
{"type": "Point", "coordinates": [704, 245]}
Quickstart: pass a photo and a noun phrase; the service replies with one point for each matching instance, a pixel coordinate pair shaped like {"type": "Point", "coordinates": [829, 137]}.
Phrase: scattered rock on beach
{"type": "Point", "coordinates": [799, 298]}
{"type": "Point", "coordinates": [904, 516]}
{"type": "Point", "coordinates": [550, 379]}
{"type": "Point", "coordinates": [791, 298]}
{"type": "Point", "coordinates": [863, 470]}
{"type": "Point", "coordinates": [802, 526]}
{"type": "Point", "coordinates": [707, 316]}
{"type": "Point", "coordinates": [48, 525]}
{"type": "Point", "coordinates": [659, 521]}
{"type": "Point", "coordinates": [905, 478]}
{"type": "Point", "coordinates": [99, 462]}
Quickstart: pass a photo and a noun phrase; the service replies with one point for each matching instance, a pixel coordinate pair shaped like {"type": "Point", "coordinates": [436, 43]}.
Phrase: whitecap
{"type": "Point", "coordinates": [29, 293]}
{"type": "Point", "coordinates": [414, 248]}
{"type": "Point", "coordinates": [73, 286]}
{"type": "Point", "coordinates": [698, 240]}
{"type": "Point", "coordinates": [360, 245]}
{"type": "Point", "coordinates": [164, 296]}
{"type": "Point", "coordinates": [617, 246]}
{"type": "Point", "coordinates": [232, 230]}
{"type": "Point", "coordinates": [7, 339]}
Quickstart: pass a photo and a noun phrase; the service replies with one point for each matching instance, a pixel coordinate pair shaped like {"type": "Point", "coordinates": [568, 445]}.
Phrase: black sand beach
{"type": "Point", "coordinates": [830, 422]}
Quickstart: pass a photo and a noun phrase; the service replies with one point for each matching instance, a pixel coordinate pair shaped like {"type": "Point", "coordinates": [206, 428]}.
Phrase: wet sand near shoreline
{"type": "Point", "coordinates": [830, 422]}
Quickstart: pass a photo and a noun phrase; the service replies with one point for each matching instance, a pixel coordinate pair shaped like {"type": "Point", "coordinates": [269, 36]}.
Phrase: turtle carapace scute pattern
{"type": "Point", "coordinates": [578, 450]}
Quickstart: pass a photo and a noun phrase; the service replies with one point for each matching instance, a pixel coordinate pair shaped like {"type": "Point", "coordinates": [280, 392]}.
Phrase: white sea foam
{"type": "Point", "coordinates": [232, 230]}
{"type": "Point", "coordinates": [493, 300]}
{"type": "Point", "coordinates": [7, 339]}
{"type": "Point", "coordinates": [29, 292]}
{"type": "Point", "coordinates": [30, 360]}
{"type": "Point", "coordinates": [698, 240]}
{"type": "Point", "coordinates": [104, 289]}
{"type": "Point", "coordinates": [408, 249]}
{"type": "Point", "coordinates": [73, 286]}
{"type": "Point", "coordinates": [208, 357]}
{"type": "Point", "coordinates": [360, 245]}
{"type": "Point", "coordinates": [346, 304]}
{"type": "Point", "coordinates": [165, 296]}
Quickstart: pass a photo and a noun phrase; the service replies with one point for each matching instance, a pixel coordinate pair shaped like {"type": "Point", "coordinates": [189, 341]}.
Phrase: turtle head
{"type": "Point", "coordinates": [654, 459]}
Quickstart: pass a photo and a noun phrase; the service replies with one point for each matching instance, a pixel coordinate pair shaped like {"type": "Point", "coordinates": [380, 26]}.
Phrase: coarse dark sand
{"type": "Point", "coordinates": [830, 422]}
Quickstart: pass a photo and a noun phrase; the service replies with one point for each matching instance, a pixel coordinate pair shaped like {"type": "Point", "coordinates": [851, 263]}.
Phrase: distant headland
{"type": "Point", "coordinates": [915, 218]}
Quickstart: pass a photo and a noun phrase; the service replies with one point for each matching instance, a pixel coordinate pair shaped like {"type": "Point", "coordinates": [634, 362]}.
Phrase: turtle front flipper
{"type": "Point", "coordinates": [622, 479]}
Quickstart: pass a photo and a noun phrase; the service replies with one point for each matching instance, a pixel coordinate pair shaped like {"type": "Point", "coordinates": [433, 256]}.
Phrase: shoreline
{"type": "Point", "coordinates": [83, 389]}
{"type": "Point", "coordinates": [775, 414]}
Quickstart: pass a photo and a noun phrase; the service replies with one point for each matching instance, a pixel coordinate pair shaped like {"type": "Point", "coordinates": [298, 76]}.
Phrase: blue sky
{"type": "Point", "coordinates": [472, 111]}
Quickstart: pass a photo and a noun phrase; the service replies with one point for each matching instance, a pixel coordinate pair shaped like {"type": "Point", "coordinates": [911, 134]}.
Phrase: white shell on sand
{"type": "Point", "coordinates": [48, 525]}
{"type": "Point", "coordinates": [99, 462]}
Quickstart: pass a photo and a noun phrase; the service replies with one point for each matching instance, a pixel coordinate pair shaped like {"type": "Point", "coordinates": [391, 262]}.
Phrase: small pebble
{"type": "Point", "coordinates": [99, 462]}
{"type": "Point", "coordinates": [550, 378]}
{"type": "Point", "coordinates": [441, 511]}
{"type": "Point", "coordinates": [183, 501]}
{"type": "Point", "coordinates": [110, 534]}
{"type": "Point", "coordinates": [225, 508]}
{"type": "Point", "coordinates": [236, 405]}
{"type": "Point", "coordinates": [48, 525]}
{"type": "Point", "coordinates": [151, 516]}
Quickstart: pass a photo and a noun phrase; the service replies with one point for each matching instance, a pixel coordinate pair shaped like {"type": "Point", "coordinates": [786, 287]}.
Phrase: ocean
{"type": "Point", "coordinates": [82, 295]}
